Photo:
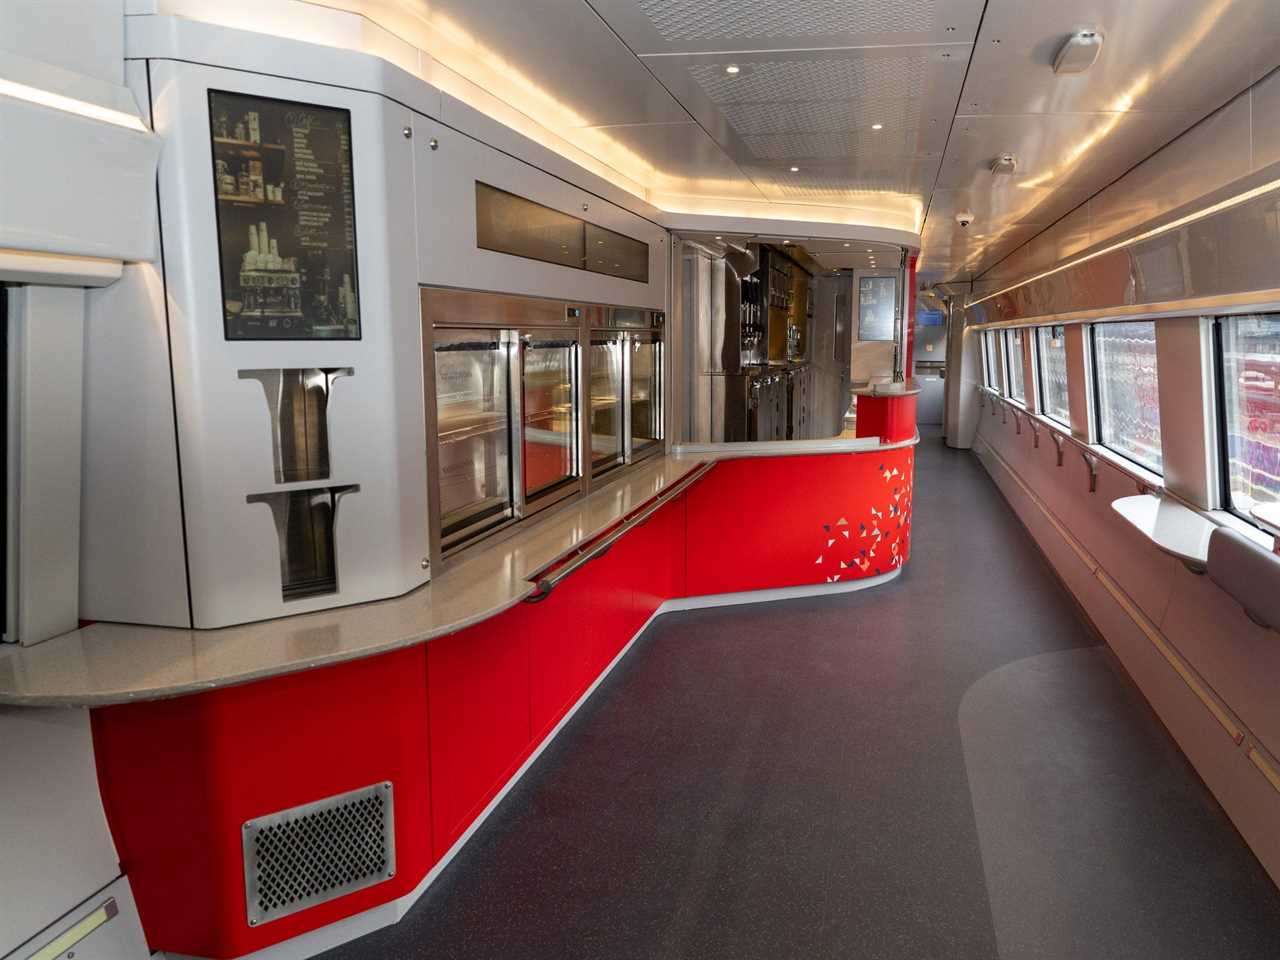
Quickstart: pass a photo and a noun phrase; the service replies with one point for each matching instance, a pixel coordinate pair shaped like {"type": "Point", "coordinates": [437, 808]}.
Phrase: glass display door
{"type": "Point", "coordinates": [549, 443]}
{"type": "Point", "coordinates": [608, 437]}
{"type": "Point", "coordinates": [645, 393]}
{"type": "Point", "coordinates": [473, 413]}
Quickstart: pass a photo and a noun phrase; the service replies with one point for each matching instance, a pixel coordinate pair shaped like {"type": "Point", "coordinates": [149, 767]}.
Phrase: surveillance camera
{"type": "Point", "coordinates": [964, 218]}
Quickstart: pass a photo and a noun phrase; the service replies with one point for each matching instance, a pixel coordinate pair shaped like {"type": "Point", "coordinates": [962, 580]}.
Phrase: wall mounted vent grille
{"type": "Point", "coordinates": [319, 851]}
{"type": "Point", "coordinates": [714, 20]}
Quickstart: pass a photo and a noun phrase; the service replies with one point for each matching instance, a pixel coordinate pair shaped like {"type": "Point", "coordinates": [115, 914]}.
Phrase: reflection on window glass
{"type": "Point", "coordinates": [1053, 373]}
{"type": "Point", "coordinates": [1128, 397]}
{"type": "Point", "coordinates": [1250, 374]}
{"type": "Point", "coordinates": [550, 441]}
{"type": "Point", "coordinates": [646, 393]}
{"type": "Point", "coordinates": [1013, 345]}
{"type": "Point", "coordinates": [989, 360]}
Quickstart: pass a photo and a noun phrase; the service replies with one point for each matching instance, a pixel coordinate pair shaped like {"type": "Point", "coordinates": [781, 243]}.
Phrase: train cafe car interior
{"type": "Point", "coordinates": [640, 479]}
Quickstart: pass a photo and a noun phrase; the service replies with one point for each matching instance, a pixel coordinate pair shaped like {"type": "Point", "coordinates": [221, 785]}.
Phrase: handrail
{"type": "Point", "coordinates": [602, 546]}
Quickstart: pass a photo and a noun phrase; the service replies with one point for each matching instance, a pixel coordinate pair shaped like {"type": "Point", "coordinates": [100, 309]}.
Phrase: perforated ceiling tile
{"type": "Point", "coordinates": [679, 20]}
{"type": "Point", "coordinates": [823, 146]}
{"type": "Point", "coordinates": [879, 78]}
{"type": "Point", "coordinates": [820, 116]}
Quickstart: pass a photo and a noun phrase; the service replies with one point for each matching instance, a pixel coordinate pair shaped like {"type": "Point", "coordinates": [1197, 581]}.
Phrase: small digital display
{"type": "Point", "coordinates": [286, 219]}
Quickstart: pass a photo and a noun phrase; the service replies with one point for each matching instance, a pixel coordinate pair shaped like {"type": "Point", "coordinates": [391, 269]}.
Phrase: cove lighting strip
{"type": "Point", "coordinates": [1154, 232]}
{"type": "Point", "coordinates": [45, 98]}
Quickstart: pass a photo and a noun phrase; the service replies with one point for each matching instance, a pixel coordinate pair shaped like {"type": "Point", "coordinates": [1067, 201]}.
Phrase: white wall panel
{"type": "Point", "coordinates": [86, 36]}
{"type": "Point", "coordinates": [1231, 658]}
{"type": "Point", "coordinates": [376, 422]}
{"type": "Point", "coordinates": [76, 186]}
{"type": "Point", "coordinates": [56, 847]}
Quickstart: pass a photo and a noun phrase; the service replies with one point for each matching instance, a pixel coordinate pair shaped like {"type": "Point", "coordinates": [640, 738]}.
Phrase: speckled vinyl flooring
{"type": "Point", "coordinates": [948, 766]}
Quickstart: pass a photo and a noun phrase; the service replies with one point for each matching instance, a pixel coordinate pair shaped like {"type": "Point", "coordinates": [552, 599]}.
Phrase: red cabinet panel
{"type": "Point", "coordinates": [770, 522]}
{"type": "Point", "coordinates": [560, 657]}
{"type": "Point", "coordinates": [478, 703]}
{"type": "Point", "coordinates": [611, 609]}
{"type": "Point", "coordinates": [180, 777]}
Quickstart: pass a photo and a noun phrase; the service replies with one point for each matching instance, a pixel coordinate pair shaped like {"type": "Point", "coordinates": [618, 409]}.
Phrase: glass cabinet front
{"type": "Point", "coordinates": [473, 412]}
{"type": "Point", "coordinates": [608, 441]}
{"type": "Point", "coordinates": [646, 393]}
{"type": "Point", "coordinates": [549, 375]}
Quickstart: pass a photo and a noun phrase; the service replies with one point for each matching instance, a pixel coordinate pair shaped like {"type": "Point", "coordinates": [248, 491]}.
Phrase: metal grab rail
{"type": "Point", "coordinates": [602, 546]}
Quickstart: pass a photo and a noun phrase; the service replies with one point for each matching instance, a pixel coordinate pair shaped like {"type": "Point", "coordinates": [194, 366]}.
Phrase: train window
{"type": "Point", "coordinates": [995, 359]}
{"type": "Point", "coordinates": [1052, 352]}
{"type": "Point", "coordinates": [1250, 377]}
{"type": "Point", "coordinates": [1128, 398]}
{"type": "Point", "coordinates": [1013, 355]}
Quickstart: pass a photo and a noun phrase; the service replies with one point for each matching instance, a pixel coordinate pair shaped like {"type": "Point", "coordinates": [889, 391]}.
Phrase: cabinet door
{"type": "Point", "coordinates": [610, 622]}
{"type": "Point", "coordinates": [478, 704]}
{"type": "Point", "coordinates": [560, 659]}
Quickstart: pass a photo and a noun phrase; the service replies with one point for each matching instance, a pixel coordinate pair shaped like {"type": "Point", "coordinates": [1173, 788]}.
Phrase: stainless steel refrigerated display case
{"type": "Point", "coordinates": [502, 376]}
{"type": "Point", "coordinates": [626, 360]}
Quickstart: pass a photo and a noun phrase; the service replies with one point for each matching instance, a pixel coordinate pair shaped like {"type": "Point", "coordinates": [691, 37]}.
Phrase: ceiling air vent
{"type": "Point", "coordinates": [318, 851]}
{"type": "Point", "coordinates": [1079, 52]}
{"type": "Point", "coordinates": [1004, 164]}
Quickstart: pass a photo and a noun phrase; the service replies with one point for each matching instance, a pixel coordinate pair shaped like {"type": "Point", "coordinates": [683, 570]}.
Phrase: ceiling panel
{"type": "Point", "coordinates": [820, 104]}
{"type": "Point", "coordinates": [832, 182]}
{"type": "Point", "coordinates": [1187, 56]}
{"type": "Point", "coordinates": [561, 56]}
{"type": "Point", "coordinates": [687, 158]}
{"type": "Point", "coordinates": [684, 26]}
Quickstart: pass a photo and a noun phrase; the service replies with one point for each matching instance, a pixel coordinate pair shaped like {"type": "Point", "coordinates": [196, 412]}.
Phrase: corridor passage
{"type": "Point", "coordinates": [949, 766]}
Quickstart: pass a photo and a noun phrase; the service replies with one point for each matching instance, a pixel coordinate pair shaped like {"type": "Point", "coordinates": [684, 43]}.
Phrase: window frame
{"type": "Point", "coordinates": [1095, 392]}
{"type": "Point", "coordinates": [1220, 422]}
{"type": "Point", "coordinates": [1012, 349]}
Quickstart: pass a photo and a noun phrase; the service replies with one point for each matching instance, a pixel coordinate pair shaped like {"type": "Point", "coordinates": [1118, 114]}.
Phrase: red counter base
{"type": "Point", "coordinates": [451, 721]}
{"type": "Point", "coordinates": [892, 419]}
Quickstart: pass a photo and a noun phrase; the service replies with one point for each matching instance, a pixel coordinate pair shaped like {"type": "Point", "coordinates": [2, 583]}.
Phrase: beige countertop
{"type": "Point", "coordinates": [905, 389]}
{"type": "Point", "coordinates": [106, 663]}
{"type": "Point", "coordinates": [114, 663]}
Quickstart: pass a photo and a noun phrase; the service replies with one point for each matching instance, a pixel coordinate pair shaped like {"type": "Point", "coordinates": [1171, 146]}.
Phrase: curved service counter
{"type": "Point", "coordinates": [445, 694]}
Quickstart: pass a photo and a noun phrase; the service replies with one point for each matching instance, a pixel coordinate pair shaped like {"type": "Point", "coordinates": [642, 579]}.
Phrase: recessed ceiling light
{"type": "Point", "coordinates": [719, 238]}
{"type": "Point", "coordinates": [786, 242]}
{"type": "Point", "coordinates": [732, 69]}
{"type": "Point", "coordinates": [795, 169]}
{"type": "Point", "coordinates": [848, 244]}
{"type": "Point", "coordinates": [869, 250]}
{"type": "Point", "coordinates": [877, 126]}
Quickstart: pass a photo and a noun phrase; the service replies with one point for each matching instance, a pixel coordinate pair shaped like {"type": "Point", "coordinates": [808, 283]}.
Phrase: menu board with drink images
{"type": "Point", "coordinates": [877, 307]}
{"type": "Point", "coordinates": [286, 219]}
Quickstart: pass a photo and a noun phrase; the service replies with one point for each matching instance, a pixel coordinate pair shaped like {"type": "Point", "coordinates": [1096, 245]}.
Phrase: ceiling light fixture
{"type": "Point", "coordinates": [795, 169]}
{"type": "Point", "coordinates": [732, 69]}
{"type": "Point", "coordinates": [94, 111]}
{"type": "Point", "coordinates": [877, 126]}
{"type": "Point", "coordinates": [848, 244]}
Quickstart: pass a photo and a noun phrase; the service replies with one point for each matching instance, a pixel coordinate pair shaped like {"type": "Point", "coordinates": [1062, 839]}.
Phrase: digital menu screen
{"type": "Point", "coordinates": [286, 219]}
{"type": "Point", "coordinates": [877, 307]}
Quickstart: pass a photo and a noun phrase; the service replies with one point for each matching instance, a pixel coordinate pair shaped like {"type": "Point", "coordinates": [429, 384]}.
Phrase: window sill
{"type": "Point", "coordinates": [1173, 527]}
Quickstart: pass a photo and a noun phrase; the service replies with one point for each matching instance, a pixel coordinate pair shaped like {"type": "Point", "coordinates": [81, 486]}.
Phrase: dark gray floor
{"type": "Point", "coordinates": [944, 767]}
